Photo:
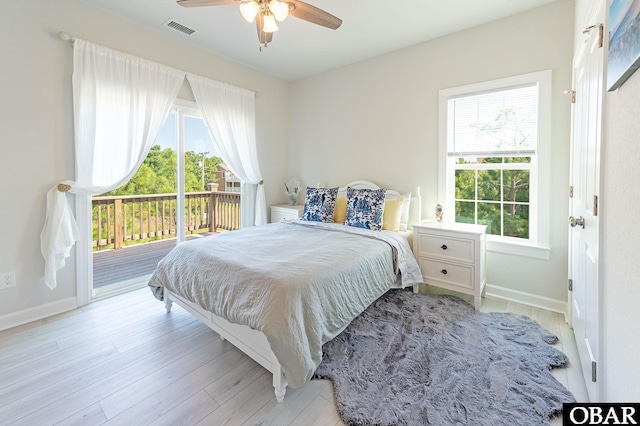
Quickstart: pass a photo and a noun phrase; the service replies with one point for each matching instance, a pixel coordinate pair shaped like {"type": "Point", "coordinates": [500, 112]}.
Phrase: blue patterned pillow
{"type": "Point", "coordinates": [365, 208]}
{"type": "Point", "coordinates": [319, 204]}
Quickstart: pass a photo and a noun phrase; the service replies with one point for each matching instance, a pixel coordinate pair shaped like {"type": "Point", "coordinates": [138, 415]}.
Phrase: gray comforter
{"type": "Point", "coordinates": [298, 282]}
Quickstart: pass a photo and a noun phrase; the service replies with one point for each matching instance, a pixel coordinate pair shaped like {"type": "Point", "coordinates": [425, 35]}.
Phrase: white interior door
{"type": "Point", "coordinates": [584, 221]}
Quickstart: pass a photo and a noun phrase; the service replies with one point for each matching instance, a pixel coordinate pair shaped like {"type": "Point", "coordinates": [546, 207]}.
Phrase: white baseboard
{"type": "Point", "coordinates": [43, 311]}
{"type": "Point", "coordinates": [527, 299]}
{"type": "Point", "coordinates": [36, 313]}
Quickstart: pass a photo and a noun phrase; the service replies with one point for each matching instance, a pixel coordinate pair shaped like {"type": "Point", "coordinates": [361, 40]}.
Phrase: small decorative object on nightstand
{"type": "Point", "coordinates": [285, 211]}
{"type": "Point", "coordinates": [439, 212]}
{"type": "Point", "coordinates": [452, 256]}
{"type": "Point", "coordinates": [292, 189]}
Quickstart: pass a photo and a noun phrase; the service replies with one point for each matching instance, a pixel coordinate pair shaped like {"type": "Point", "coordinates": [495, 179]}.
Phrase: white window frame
{"type": "Point", "coordinates": [537, 246]}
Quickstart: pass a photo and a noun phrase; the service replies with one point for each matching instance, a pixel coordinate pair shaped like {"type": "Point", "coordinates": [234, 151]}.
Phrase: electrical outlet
{"type": "Point", "coordinates": [8, 279]}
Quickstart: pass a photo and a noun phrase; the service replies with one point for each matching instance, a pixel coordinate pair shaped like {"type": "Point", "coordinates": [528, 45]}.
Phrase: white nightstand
{"type": "Point", "coordinates": [452, 256]}
{"type": "Point", "coordinates": [285, 211]}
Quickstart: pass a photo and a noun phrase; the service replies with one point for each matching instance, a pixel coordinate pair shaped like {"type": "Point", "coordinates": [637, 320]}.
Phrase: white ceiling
{"type": "Point", "coordinates": [299, 49]}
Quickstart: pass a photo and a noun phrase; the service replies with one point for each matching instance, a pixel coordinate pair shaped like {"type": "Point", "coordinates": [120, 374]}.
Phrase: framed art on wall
{"type": "Point", "coordinates": [624, 42]}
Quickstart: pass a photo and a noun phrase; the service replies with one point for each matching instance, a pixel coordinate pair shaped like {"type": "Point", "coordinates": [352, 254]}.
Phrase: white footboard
{"type": "Point", "coordinates": [252, 342]}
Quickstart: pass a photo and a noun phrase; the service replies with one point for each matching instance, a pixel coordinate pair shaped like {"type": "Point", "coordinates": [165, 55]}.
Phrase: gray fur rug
{"type": "Point", "coordinates": [414, 359]}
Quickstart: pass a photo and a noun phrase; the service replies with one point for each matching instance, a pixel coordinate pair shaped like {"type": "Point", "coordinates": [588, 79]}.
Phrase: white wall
{"type": "Point", "coordinates": [378, 120]}
{"type": "Point", "coordinates": [619, 249]}
{"type": "Point", "coordinates": [36, 141]}
{"type": "Point", "coordinates": [582, 11]}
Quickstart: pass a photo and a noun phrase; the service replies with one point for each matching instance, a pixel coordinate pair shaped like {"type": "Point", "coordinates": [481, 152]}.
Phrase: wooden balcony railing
{"type": "Point", "coordinates": [130, 218]}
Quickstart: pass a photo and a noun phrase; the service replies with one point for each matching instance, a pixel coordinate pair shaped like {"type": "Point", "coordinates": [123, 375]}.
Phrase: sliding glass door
{"type": "Point", "coordinates": [174, 196]}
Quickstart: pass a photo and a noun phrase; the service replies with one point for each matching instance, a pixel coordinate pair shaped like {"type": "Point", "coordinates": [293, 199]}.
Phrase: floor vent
{"type": "Point", "coordinates": [178, 27]}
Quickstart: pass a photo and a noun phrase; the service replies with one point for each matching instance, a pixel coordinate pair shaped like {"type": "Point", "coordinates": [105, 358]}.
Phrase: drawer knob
{"type": "Point", "coordinates": [443, 247]}
{"type": "Point", "coordinates": [444, 271]}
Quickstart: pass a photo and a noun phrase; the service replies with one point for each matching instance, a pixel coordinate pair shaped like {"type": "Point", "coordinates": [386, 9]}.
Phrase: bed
{"type": "Point", "coordinates": [279, 292]}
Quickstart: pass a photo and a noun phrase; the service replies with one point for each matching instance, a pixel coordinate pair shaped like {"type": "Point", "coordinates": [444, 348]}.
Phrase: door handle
{"type": "Point", "coordinates": [576, 221]}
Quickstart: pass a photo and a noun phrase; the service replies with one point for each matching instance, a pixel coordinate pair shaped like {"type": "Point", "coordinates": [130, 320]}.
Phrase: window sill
{"type": "Point", "coordinates": [519, 249]}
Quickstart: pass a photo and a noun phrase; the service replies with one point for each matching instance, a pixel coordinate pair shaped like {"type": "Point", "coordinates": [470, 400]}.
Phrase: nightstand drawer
{"type": "Point", "coordinates": [455, 275]}
{"type": "Point", "coordinates": [447, 248]}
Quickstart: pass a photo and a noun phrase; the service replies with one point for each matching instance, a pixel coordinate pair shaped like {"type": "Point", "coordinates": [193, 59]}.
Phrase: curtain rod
{"type": "Point", "coordinates": [64, 36]}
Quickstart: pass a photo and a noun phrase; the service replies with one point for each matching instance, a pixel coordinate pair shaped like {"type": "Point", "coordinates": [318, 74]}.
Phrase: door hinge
{"type": "Point", "coordinates": [570, 284]}
{"type": "Point", "coordinates": [573, 95]}
{"type": "Point", "coordinates": [571, 191]}
{"type": "Point", "coordinates": [600, 28]}
{"type": "Point", "coordinates": [595, 205]}
{"type": "Point", "coordinates": [593, 371]}
{"type": "Point", "coordinates": [600, 35]}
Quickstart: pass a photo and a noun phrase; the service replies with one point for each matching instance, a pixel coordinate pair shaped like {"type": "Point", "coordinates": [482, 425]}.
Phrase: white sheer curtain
{"type": "Point", "coordinates": [230, 115]}
{"type": "Point", "coordinates": [120, 102]}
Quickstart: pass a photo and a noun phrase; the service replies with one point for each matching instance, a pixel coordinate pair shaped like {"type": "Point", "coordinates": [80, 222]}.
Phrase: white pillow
{"type": "Point", "coordinates": [404, 216]}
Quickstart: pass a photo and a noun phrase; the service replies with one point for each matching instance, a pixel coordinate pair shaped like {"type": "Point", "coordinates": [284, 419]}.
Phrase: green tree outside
{"type": "Point", "coordinates": [157, 174]}
{"type": "Point", "coordinates": [498, 198]}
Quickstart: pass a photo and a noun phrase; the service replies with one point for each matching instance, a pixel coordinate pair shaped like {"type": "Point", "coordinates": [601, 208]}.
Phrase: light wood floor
{"type": "Point", "coordinates": [133, 261]}
{"type": "Point", "coordinates": [124, 361]}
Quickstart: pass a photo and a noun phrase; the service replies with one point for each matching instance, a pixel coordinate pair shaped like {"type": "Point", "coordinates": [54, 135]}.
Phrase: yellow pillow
{"type": "Point", "coordinates": [340, 209]}
{"type": "Point", "coordinates": [392, 213]}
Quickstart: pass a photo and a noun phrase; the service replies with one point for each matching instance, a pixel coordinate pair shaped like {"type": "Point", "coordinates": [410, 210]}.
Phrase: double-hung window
{"type": "Point", "coordinates": [494, 165]}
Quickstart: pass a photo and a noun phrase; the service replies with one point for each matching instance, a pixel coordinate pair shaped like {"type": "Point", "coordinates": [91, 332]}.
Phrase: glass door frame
{"type": "Point", "coordinates": [84, 251]}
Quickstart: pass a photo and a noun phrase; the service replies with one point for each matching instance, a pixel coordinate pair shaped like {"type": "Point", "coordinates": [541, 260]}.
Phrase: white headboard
{"type": "Point", "coordinates": [364, 184]}
{"type": "Point", "coordinates": [415, 208]}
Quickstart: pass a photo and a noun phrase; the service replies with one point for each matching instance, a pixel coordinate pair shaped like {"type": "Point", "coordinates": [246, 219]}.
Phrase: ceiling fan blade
{"type": "Point", "coordinates": [197, 3]}
{"type": "Point", "coordinates": [263, 37]}
{"type": "Point", "coordinates": [312, 14]}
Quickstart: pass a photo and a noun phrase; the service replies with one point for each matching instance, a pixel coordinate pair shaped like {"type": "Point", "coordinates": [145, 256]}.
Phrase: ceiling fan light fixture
{"type": "Point", "coordinates": [279, 9]}
{"type": "Point", "coordinates": [269, 23]}
{"type": "Point", "coordinates": [265, 13]}
{"type": "Point", "coordinates": [249, 10]}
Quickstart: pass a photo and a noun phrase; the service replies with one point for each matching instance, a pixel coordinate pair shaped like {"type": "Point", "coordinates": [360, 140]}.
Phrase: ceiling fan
{"type": "Point", "coordinates": [267, 12]}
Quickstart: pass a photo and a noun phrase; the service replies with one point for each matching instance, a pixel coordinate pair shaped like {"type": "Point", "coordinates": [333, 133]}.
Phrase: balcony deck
{"type": "Point", "coordinates": [135, 261]}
